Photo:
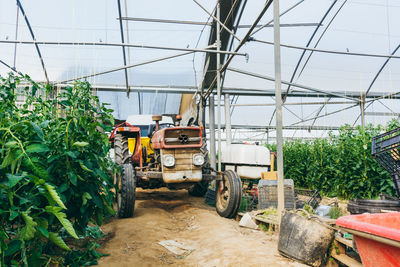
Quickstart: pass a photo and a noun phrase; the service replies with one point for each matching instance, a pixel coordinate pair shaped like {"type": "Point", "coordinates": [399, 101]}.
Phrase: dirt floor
{"type": "Point", "coordinates": [173, 215]}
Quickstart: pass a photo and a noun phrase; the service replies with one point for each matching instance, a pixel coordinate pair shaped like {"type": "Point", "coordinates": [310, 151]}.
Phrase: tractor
{"type": "Point", "coordinates": [178, 160]}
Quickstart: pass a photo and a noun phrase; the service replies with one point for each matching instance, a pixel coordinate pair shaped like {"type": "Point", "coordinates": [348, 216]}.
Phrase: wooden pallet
{"type": "Point", "coordinates": [338, 253]}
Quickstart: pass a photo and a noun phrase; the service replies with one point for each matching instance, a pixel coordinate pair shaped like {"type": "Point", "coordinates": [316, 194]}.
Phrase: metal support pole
{"type": "Point", "coordinates": [211, 112]}
{"type": "Point", "coordinates": [219, 86]}
{"type": "Point", "coordinates": [123, 51]}
{"type": "Point", "coordinates": [362, 107]}
{"type": "Point", "coordinates": [16, 37]}
{"type": "Point", "coordinates": [201, 121]}
{"type": "Point", "coordinates": [278, 100]}
{"type": "Point", "coordinates": [228, 119]}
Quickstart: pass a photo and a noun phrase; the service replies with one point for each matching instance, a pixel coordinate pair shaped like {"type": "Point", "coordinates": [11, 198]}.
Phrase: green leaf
{"type": "Point", "coordinates": [8, 159]}
{"type": "Point", "coordinates": [42, 222]}
{"type": "Point", "coordinates": [54, 195]}
{"type": "Point", "coordinates": [44, 124]}
{"type": "Point", "coordinates": [13, 179]}
{"type": "Point", "coordinates": [28, 231]}
{"type": "Point", "coordinates": [38, 130]}
{"type": "Point", "coordinates": [13, 247]}
{"type": "Point", "coordinates": [56, 211]}
{"type": "Point", "coordinates": [13, 215]}
{"type": "Point", "coordinates": [44, 232]}
{"type": "Point", "coordinates": [62, 188]}
{"type": "Point", "coordinates": [37, 148]}
{"type": "Point", "coordinates": [73, 178]}
{"type": "Point", "coordinates": [53, 158]}
{"type": "Point", "coordinates": [84, 167]}
{"type": "Point", "coordinates": [40, 171]}
{"type": "Point", "coordinates": [110, 210]}
{"type": "Point", "coordinates": [70, 154]}
{"type": "Point", "coordinates": [85, 198]}
{"type": "Point", "coordinates": [56, 239]}
{"type": "Point", "coordinates": [35, 87]}
{"type": "Point", "coordinates": [80, 144]}
{"type": "Point", "coordinates": [11, 144]}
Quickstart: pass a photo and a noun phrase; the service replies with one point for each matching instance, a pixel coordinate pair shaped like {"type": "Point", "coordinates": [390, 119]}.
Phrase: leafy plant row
{"type": "Point", "coordinates": [54, 172]}
{"type": "Point", "coordinates": [340, 165]}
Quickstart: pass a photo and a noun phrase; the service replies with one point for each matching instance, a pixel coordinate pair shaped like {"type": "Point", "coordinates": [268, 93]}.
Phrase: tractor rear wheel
{"type": "Point", "coordinates": [126, 191]}
{"type": "Point", "coordinates": [228, 194]}
{"type": "Point", "coordinates": [121, 149]}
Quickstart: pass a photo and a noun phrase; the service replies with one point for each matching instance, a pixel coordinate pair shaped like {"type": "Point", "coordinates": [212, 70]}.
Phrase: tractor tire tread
{"type": "Point", "coordinates": [128, 192]}
{"type": "Point", "coordinates": [121, 150]}
{"type": "Point", "coordinates": [235, 195]}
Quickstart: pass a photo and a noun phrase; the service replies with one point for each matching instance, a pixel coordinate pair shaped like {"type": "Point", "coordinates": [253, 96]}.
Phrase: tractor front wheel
{"type": "Point", "coordinates": [200, 189]}
{"type": "Point", "coordinates": [121, 149]}
{"type": "Point", "coordinates": [228, 194]}
{"type": "Point", "coordinates": [126, 191]}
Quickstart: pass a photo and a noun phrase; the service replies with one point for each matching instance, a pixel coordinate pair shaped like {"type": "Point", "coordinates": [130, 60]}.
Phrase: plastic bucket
{"type": "Point", "coordinates": [304, 239]}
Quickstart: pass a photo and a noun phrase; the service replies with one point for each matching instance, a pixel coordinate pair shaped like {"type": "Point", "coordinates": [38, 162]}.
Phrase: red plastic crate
{"type": "Point", "coordinates": [377, 237]}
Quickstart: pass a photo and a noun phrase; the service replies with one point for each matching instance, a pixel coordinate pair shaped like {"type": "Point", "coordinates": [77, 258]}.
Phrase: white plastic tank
{"type": "Point", "coordinates": [248, 160]}
{"type": "Point", "coordinates": [246, 154]}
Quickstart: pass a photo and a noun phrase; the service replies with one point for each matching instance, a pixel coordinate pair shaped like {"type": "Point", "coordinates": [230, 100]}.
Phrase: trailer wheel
{"type": "Point", "coordinates": [126, 191]}
{"type": "Point", "coordinates": [121, 149]}
{"type": "Point", "coordinates": [228, 194]}
{"type": "Point", "coordinates": [198, 189]}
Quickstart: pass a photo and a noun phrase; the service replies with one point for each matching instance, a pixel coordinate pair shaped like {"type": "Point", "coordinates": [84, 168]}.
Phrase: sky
{"type": "Point", "coordinates": [365, 26]}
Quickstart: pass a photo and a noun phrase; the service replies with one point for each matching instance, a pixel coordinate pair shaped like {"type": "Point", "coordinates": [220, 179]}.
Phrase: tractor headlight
{"type": "Point", "coordinates": [198, 159]}
{"type": "Point", "coordinates": [168, 160]}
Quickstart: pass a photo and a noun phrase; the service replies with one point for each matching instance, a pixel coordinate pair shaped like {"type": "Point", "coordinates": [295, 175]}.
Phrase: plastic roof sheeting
{"type": "Point", "coordinates": [360, 26]}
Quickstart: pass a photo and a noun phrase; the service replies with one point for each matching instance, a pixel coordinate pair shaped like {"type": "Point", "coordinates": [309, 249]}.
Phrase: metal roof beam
{"type": "Point", "coordinates": [8, 66]}
{"type": "Point", "coordinates": [206, 50]}
{"type": "Point", "coordinates": [229, 90]}
{"type": "Point", "coordinates": [332, 51]}
{"type": "Point", "coordinates": [291, 84]}
{"type": "Point", "coordinates": [186, 22]}
{"type": "Point", "coordinates": [34, 39]}
{"type": "Point", "coordinates": [287, 127]}
{"type": "Point", "coordinates": [306, 24]}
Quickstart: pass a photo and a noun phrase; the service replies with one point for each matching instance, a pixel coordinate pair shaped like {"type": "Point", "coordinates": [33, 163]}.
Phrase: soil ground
{"type": "Point", "coordinates": [174, 215]}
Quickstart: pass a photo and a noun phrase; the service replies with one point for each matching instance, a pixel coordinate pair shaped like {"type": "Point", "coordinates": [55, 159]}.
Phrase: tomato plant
{"type": "Point", "coordinates": [55, 175]}
{"type": "Point", "coordinates": [340, 165]}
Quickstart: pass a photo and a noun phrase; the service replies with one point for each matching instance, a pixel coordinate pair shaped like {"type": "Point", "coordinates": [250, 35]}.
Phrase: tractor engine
{"type": "Point", "coordinates": [178, 152]}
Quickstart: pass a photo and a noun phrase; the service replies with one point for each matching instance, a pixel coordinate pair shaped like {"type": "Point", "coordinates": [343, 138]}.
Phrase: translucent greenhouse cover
{"type": "Point", "coordinates": [358, 26]}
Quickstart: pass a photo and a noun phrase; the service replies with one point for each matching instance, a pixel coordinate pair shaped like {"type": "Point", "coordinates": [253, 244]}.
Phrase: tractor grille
{"type": "Point", "coordinates": [185, 137]}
